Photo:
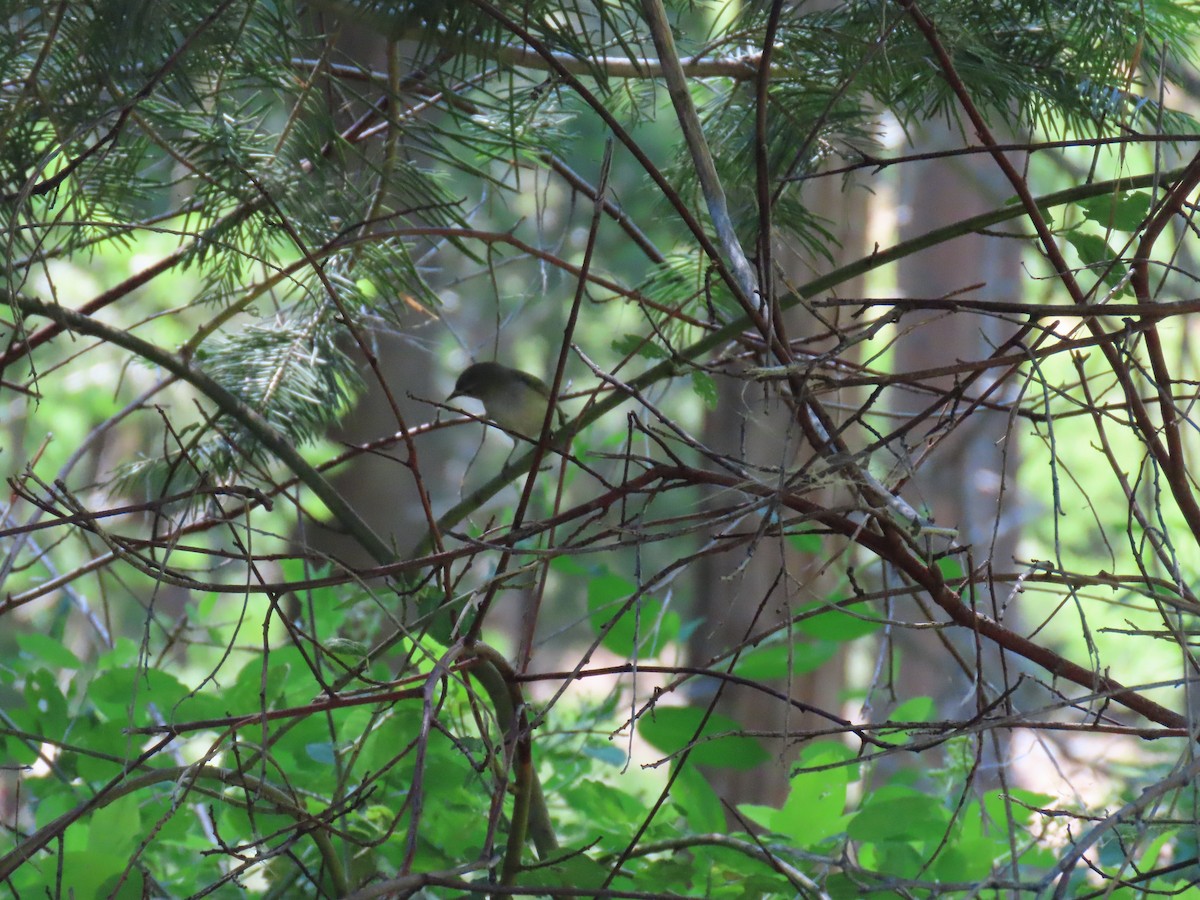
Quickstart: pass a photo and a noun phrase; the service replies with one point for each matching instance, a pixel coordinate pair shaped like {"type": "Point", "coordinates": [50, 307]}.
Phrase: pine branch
{"type": "Point", "coordinates": [225, 401]}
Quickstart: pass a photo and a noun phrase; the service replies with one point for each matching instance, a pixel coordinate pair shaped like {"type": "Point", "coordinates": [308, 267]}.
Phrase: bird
{"type": "Point", "coordinates": [514, 400]}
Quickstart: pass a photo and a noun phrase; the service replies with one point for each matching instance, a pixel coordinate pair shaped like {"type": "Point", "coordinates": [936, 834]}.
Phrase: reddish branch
{"type": "Point", "coordinates": [888, 545]}
{"type": "Point", "coordinates": [1170, 458]}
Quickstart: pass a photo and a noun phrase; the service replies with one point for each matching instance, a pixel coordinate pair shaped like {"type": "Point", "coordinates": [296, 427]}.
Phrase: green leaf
{"type": "Point", "coordinates": [642, 630]}
{"type": "Point", "coordinates": [45, 649]}
{"type": "Point", "coordinates": [578, 870]}
{"type": "Point", "coordinates": [1097, 255]}
{"type": "Point", "coordinates": [951, 568]}
{"type": "Point", "coordinates": [996, 804]}
{"type": "Point", "coordinates": [813, 810]}
{"type": "Point", "coordinates": [904, 815]}
{"type": "Point", "coordinates": [110, 746]}
{"type": "Point", "coordinates": [1122, 212]}
{"type": "Point", "coordinates": [18, 751]}
{"type": "Point", "coordinates": [378, 749]}
{"type": "Point", "coordinates": [608, 588]}
{"type": "Point", "coordinates": [115, 828]}
{"type": "Point", "coordinates": [636, 344]}
{"type": "Point", "coordinates": [569, 565]}
{"type": "Point", "coordinates": [198, 706]}
{"type": "Point", "coordinates": [835, 624]}
{"type": "Point", "coordinates": [916, 709]}
{"type": "Point", "coordinates": [281, 686]}
{"type": "Point", "coordinates": [118, 693]}
{"type": "Point", "coordinates": [720, 744]}
{"type": "Point", "coordinates": [816, 802]}
{"type": "Point", "coordinates": [805, 542]}
{"type": "Point", "coordinates": [979, 846]}
{"type": "Point", "coordinates": [348, 650]}
{"type": "Point", "coordinates": [604, 752]}
{"type": "Point", "coordinates": [1092, 248]}
{"type": "Point", "coordinates": [95, 874]}
{"type": "Point", "coordinates": [45, 709]}
{"type": "Point", "coordinates": [771, 661]}
{"type": "Point", "coordinates": [124, 652]}
{"type": "Point", "coordinates": [309, 747]}
{"type": "Point", "coordinates": [700, 804]}
{"type": "Point", "coordinates": [604, 807]}
{"type": "Point", "coordinates": [705, 388]}
{"type": "Point", "coordinates": [760, 814]}
{"type": "Point", "coordinates": [322, 752]}
{"type": "Point", "coordinates": [899, 860]}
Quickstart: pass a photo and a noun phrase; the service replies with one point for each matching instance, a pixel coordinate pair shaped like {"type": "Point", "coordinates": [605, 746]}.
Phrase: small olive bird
{"type": "Point", "coordinates": [514, 400]}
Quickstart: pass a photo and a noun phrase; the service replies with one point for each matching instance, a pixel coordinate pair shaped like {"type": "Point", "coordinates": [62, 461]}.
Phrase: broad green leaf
{"type": "Point", "coordinates": [605, 808]}
{"type": "Point", "coordinates": [396, 730]}
{"type": "Point", "coordinates": [996, 812]}
{"type": "Point", "coordinates": [110, 746]}
{"type": "Point", "coordinates": [705, 388]}
{"type": "Point", "coordinates": [59, 804]}
{"type": "Point", "coordinates": [675, 870]}
{"type": "Point", "coordinates": [569, 565]}
{"type": "Point", "coordinates": [117, 693]}
{"type": "Point", "coordinates": [207, 606]}
{"type": "Point", "coordinates": [760, 814]}
{"type": "Point", "coordinates": [773, 661]}
{"type": "Point", "coordinates": [1123, 212]}
{"type": "Point", "coordinates": [720, 744]}
{"type": "Point", "coordinates": [95, 874]}
{"type": "Point", "coordinates": [203, 705]}
{"type": "Point", "coordinates": [115, 828]}
{"type": "Point", "coordinates": [816, 802]}
{"type": "Point", "coordinates": [605, 752]}
{"type": "Point", "coordinates": [45, 710]}
{"type": "Point", "coordinates": [609, 588]}
{"type": "Point", "coordinates": [283, 685]}
{"type": "Point", "coordinates": [311, 746]}
{"type": "Point", "coordinates": [636, 344]}
{"type": "Point", "coordinates": [816, 799]}
{"type": "Point", "coordinates": [1020, 800]}
{"type": "Point", "coordinates": [976, 850]}
{"type": "Point", "coordinates": [642, 630]}
{"type": "Point", "coordinates": [805, 541]}
{"type": "Point", "coordinates": [20, 751]}
{"type": "Point", "coordinates": [322, 752]}
{"type": "Point", "coordinates": [574, 870]}
{"type": "Point", "coordinates": [1092, 248]}
{"type": "Point", "coordinates": [124, 652]}
{"type": "Point", "coordinates": [904, 815]}
{"type": "Point", "coordinates": [837, 625]}
{"type": "Point", "coordinates": [44, 648]}
{"type": "Point", "coordinates": [899, 860]}
{"type": "Point", "coordinates": [694, 795]}
{"type": "Point", "coordinates": [916, 709]}
{"type": "Point", "coordinates": [1154, 849]}
{"type": "Point", "coordinates": [1097, 255]}
{"type": "Point", "coordinates": [348, 651]}
{"type": "Point", "coordinates": [951, 568]}
{"type": "Point", "coordinates": [954, 861]}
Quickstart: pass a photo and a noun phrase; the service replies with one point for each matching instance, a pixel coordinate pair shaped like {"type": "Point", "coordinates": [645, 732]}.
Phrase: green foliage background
{"type": "Point", "coordinates": [216, 214]}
